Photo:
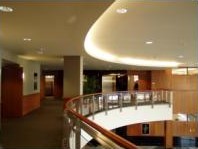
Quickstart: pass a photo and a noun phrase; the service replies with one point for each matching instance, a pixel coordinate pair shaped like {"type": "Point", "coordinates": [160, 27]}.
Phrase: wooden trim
{"type": "Point", "coordinates": [30, 103]}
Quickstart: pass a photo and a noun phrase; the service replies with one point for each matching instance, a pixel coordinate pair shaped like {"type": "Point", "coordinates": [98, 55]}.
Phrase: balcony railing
{"type": "Point", "coordinates": [78, 108]}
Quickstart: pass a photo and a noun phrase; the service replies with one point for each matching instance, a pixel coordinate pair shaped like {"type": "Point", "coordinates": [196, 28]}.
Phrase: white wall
{"type": "Point", "coordinates": [29, 68]}
{"type": "Point", "coordinates": [9, 56]}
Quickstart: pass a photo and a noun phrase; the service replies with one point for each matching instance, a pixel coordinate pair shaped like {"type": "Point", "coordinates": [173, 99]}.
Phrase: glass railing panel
{"type": "Point", "coordinates": [113, 101]}
{"type": "Point", "coordinates": [85, 106]}
{"type": "Point", "coordinates": [89, 105]}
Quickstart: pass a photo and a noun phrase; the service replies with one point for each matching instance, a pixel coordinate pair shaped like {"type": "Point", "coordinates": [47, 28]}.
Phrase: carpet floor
{"type": "Point", "coordinates": [41, 129]}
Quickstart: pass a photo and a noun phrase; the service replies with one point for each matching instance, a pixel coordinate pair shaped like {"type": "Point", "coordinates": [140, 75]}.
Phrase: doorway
{"type": "Point", "coordinates": [49, 85]}
{"type": "Point", "coordinates": [108, 83]}
{"type": "Point", "coordinates": [11, 89]}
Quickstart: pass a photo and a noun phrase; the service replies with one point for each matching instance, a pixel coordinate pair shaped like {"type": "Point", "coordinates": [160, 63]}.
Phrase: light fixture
{"type": "Point", "coordinates": [5, 9]}
{"type": "Point", "coordinates": [92, 49]}
{"type": "Point", "coordinates": [23, 76]}
{"type": "Point", "coordinates": [96, 50]}
{"type": "Point", "coordinates": [40, 51]}
{"type": "Point", "coordinates": [181, 56]}
{"type": "Point", "coordinates": [27, 39]}
{"type": "Point", "coordinates": [49, 77]}
{"type": "Point", "coordinates": [149, 42]}
{"type": "Point", "coordinates": [179, 71]}
{"type": "Point", "coordinates": [147, 62]}
{"type": "Point", "coordinates": [121, 10]}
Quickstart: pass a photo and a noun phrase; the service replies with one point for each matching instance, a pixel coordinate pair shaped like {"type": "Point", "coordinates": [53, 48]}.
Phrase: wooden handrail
{"type": "Point", "coordinates": [115, 138]}
{"type": "Point", "coordinates": [112, 136]}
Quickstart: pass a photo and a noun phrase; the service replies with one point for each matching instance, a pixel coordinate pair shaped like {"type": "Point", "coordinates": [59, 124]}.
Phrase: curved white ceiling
{"type": "Point", "coordinates": [170, 25]}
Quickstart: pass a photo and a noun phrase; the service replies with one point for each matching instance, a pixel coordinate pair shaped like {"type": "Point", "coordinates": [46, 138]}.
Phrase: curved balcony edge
{"type": "Point", "coordinates": [76, 114]}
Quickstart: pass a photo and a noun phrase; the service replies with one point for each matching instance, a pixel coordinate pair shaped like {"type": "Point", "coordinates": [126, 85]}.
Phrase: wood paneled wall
{"type": "Point", "coordinates": [42, 87]}
{"type": "Point", "coordinates": [185, 101]}
{"type": "Point", "coordinates": [185, 128]}
{"type": "Point", "coordinates": [58, 84]}
{"type": "Point", "coordinates": [156, 129]}
{"type": "Point", "coordinates": [178, 128]}
{"type": "Point", "coordinates": [14, 104]}
{"type": "Point", "coordinates": [144, 79]}
{"type": "Point", "coordinates": [12, 90]}
{"type": "Point", "coordinates": [30, 103]}
{"type": "Point", "coordinates": [185, 95]}
{"type": "Point", "coordinates": [168, 134]}
{"type": "Point", "coordinates": [161, 79]}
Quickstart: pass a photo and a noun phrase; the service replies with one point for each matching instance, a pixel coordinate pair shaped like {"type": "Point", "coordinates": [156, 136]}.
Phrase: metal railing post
{"type": "Point", "coordinates": [152, 99]}
{"type": "Point", "coordinates": [171, 98]}
{"type": "Point", "coordinates": [106, 105]}
{"type": "Point", "coordinates": [120, 101]}
{"type": "Point", "coordinates": [98, 103]}
{"type": "Point", "coordinates": [78, 135]}
{"type": "Point", "coordinates": [166, 98]}
{"type": "Point", "coordinates": [93, 107]}
{"type": "Point", "coordinates": [76, 112]}
{"type": "Point", "coordinates": [81, 106]}
{"type": "Point", "coordinates": [67, 131]}
{"type": "Point", "coordinates": [103, 102]}
{"type": "Point", "coordinates": [136, 102]}
{"type": "Point", "coordinates": [162, 95]}
{"type": "Point", "coordinates": [158, 96]}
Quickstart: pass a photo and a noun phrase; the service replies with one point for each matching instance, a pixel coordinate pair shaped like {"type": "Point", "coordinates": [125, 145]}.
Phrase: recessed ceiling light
{"type": "Point", "coordinates": [5, 9]}
{"type": "Point", "coordinates": [149, 42]}
{"type": "Point", "coordinates": [181, 56]}
{"type": "Point", "coordinates": [121, 10]}
{"type": "Point", "coordinates": [27, 39]}
{"type": "Point", "coordinates": [41, 51]}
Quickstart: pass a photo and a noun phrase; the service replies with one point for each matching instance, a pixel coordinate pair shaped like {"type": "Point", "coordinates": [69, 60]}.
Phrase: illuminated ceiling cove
{"type": "Point", "coordinates": [146, 33]}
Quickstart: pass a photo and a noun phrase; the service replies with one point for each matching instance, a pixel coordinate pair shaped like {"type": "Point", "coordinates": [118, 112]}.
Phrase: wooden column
{"type": "Point", "coordinates": [168, 134]}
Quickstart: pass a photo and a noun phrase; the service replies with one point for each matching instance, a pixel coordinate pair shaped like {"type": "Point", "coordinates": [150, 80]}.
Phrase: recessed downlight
{"type": "Point", "coordinates": [149, 42]}
{"type": "Point", "coordinates": [40, 51]}
{"type": "Point", "coordinates": [181, 56]}
{"type": "Point", "coordinates": [5, 9]}
{"type": "Point", "coordinates": [121, 10]}
{"type": "Point", "coordinates": [27, 39]}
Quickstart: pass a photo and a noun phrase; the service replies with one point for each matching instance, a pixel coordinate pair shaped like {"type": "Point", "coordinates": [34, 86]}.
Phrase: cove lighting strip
{"type": "Point", "coordinates": [102, 54]}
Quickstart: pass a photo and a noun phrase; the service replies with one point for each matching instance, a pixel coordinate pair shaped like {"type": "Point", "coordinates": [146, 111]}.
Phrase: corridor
{"type": "Point", "coordinates": [40, 129]}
